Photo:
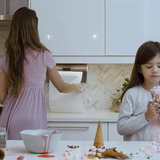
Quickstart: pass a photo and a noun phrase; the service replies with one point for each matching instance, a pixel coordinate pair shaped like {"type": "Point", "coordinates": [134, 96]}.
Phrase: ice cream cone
{"type": "Point", "coordinates": [98, 141]}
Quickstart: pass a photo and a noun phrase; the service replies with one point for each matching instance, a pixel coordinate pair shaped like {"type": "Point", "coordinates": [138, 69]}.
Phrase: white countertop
{"type": "Point", "coordinates": [88, 116]}
{"type": "Point", "coordinates": [16, 148]}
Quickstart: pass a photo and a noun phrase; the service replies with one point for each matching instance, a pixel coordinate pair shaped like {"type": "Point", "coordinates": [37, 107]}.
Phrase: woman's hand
{"type": "Point", "coordinates": [60, 85]}
{"type": "Point", "coordinates": [79, 87]}
{"type": "Point", "coordinates": [151, 112]}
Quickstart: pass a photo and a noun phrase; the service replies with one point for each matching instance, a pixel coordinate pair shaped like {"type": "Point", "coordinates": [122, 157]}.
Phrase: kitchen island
{"type": "Point", "coordinates": [133, 150]}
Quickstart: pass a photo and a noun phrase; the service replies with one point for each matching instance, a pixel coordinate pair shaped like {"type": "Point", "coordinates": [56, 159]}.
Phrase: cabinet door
{"type": "Point", "coordinates": [13, 5]}
{"type": "Point", "coordinates": [78, 131]}
{"type": "Point", "coordinates": [72, 27]}
{"type": "Point", "coordinates": [2, 7]}
{"type": "Point", "coordinates": [113, 135]}
{"type": "Point", "coordinates": [129, 24]}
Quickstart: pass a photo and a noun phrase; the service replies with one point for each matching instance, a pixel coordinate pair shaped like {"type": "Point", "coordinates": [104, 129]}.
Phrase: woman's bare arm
{"type": "Point", "coordinates": [3, 87]}
{"type": "Point", "coordinates": [58, 82]}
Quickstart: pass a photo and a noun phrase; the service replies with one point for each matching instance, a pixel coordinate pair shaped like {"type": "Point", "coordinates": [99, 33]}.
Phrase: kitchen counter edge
{"type": "Point", "coordinates": [87, 116]}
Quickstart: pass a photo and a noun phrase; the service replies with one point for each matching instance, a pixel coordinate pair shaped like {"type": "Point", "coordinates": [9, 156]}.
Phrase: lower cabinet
{"type": "Point", "coordinates": [85, 131]}
{"type": "Point", "coordinates": [113, 135]}
{"type": "Point", "coordinates": [82, 131]}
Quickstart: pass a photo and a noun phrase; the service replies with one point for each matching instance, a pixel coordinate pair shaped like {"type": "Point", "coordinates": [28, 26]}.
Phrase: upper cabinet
{"type": "Point", "coordinates": [72, 27]}
{"type": "Point", "coordinates": [129, 24]}
{"type": "Point", "coordinates": [96, 31]}
{"type": "Point", "coordinates": [2, 7]}
{"type": "Point", "coordinates": [8, 7]}
{"type": "Point", "coordinates": [13, 5]}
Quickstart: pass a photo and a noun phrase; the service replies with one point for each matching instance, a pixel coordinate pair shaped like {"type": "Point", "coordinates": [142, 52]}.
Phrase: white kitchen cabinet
{"type": "Point", "coordinates": [129, 24]}
{"type": "Point", "coordinates": [113, 135]}
{"type": "Point", "coordinates": [72, 27]}
{"type": "Point", "coordinates": [2, 7]}
{"type": "Point", "coordinates": [96, 31]}
{"type": "Point", "coordinates": [79, 131]}
{"type": "Point", "coordinates": [86, 131]}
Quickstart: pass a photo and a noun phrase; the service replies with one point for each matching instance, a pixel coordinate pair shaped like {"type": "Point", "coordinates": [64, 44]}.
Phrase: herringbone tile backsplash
{"type": "Point", "coordinates": [102, 81]}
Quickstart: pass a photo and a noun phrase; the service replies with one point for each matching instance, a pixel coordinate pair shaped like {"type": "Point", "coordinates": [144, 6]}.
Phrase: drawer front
{"type": "Point", "coordinates": [78, 131]}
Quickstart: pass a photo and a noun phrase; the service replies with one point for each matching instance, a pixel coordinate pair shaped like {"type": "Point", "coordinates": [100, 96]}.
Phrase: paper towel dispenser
{"type": "Point", "coordinates": [74, 67]}
{"type": "Point", "coordinates": [70, 102]}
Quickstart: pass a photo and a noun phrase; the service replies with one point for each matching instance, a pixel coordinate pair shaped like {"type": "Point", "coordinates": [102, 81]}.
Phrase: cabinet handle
{"type": "Point", "coordinates": [86, 127]}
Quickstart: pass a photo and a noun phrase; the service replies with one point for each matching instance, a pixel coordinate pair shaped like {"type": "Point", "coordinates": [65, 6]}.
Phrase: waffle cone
{"type": "Point", "coordinates": [98, 141]}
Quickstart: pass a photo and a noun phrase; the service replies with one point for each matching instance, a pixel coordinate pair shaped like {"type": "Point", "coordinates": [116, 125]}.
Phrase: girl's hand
{"type": "Point", "coordinates": [151, 111]}
{"type": "Point", "coordinates": [158, 110]}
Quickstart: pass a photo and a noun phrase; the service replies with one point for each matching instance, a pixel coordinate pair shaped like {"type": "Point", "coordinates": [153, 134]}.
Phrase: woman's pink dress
{"type": "Point", "coordinates": [28, 111]}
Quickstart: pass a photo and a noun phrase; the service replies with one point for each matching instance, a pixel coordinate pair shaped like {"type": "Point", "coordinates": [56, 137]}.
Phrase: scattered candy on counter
{"type": "Point", "coordinates": [150, 149]}
{"type": "Point", "coordinates": [66, 158]}
{"type": "Point", "coordinates": [99, 154]}
{"type": "Point", "coordinates": [158, 149]}
{"type": "Point", "coordinates": [83, 157]}
{"type": "Point", "coordinates": [85, 154]}
{"type": "Point", "coordinates": [144, 154]}
{"type": "Point", "coordinates": [21, 158]}
{"type": "Point", "coordinates": [92, 149]}
{"type": "Point", "coordinates": [69, 152]}
{"type": "Point", "coordinates": [147, 153]}
{"type": "Point", "coordinates": [102, 147]}
{"type": "Point", "coordinates": [75, 155]}
{"type": "Point", "coordinates": [72, 147]}
{"type": "Point", "coordinates": [65, 154]}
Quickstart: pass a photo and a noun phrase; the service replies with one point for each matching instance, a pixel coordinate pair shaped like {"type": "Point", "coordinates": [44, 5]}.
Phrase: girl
{"type": "Point", "coordinates": [138, 120]}
{"type": "Point", "coordinates": [22, 76]}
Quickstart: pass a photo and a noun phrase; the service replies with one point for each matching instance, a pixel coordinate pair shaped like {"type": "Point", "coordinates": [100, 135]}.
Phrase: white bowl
{"type": "Point", "coordinates": [41, 141]}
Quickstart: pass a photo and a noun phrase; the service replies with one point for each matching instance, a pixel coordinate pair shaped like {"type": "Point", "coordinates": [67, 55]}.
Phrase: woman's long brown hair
{"type": "Point", "coordinates": [146, 52]}
{"type": "Point", "coordinates": [23, 34]}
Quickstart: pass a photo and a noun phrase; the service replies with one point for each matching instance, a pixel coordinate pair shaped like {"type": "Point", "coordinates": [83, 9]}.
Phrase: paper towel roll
{"type": "Point", "coordinates": [66, 102]}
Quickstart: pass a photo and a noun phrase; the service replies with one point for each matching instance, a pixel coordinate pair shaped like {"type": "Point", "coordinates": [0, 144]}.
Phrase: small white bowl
{"type": "Point", "coordinates": [41, 141]}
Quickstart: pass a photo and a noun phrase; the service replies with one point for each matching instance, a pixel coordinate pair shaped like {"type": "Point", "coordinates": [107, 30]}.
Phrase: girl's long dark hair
{"type": "Point", "coordinates": [146, 52]}
{"type": "Point", "coordinates": [23, 34]}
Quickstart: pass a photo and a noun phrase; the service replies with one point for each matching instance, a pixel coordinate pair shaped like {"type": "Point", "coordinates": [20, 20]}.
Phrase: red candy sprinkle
{"type": "Point", "coordinates": [46, 156]}
{"type": "Point", "coordinates": [21, 158]}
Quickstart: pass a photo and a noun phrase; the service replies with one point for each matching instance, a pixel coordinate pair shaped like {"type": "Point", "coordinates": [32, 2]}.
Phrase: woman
{"type": "Point", "coordinates": [22, 75]}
